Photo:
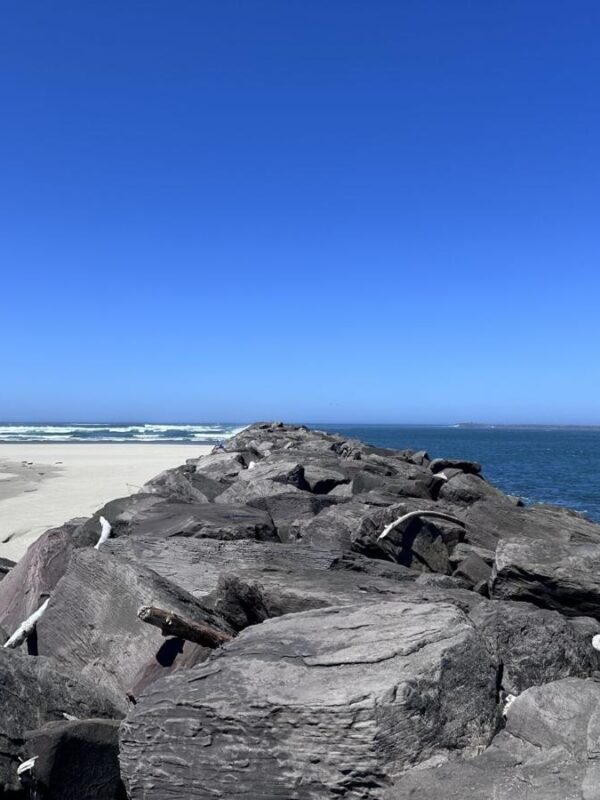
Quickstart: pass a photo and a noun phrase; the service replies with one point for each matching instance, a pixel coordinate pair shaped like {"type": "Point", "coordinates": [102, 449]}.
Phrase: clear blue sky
{"type": "Point", "coordinates": [303, 209]}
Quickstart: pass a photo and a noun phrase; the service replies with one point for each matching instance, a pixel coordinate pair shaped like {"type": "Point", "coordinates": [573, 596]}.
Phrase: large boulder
{"type": "Point", "coordinates": [564, 577]}
{"type": "Point", "coordinates": [329, 703]}
{"type": "Point", "coordinates": [534, 645]}
{"type": "Point", "coordinates": [31, 581]}
{"type": "Point", "coordinates": [496, 518]}
{"type": "Point", "coordinates": [185, 484]}
{"type": "Point", "coordinates": [75, 760]}
{"type": "Point", "coordinates": [548, 751]}
{"type": "Point", "coordinates": [155, 515]}
{"type": "Point", "coordinates": [34, 691]}
{"type": "Point", "coordinates": [91, 623]}
{"type": "Point", "coordinates": [196, 565]}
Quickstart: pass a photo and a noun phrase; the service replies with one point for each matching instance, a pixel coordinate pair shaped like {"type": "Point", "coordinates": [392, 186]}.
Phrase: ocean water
{"type": "Point", "coordinates": [127, 432]}
{"type": "Point", "coordinates": [540, 465]}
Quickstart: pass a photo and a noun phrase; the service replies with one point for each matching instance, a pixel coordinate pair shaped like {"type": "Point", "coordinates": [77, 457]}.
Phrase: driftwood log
{"type": "Point", "coordinates": [174, 625]}
{"type": "Point", "coordinates": [26, 628]}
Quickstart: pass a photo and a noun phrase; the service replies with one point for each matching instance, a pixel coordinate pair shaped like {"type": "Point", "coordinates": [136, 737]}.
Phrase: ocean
{"type": "Point", "coordinates": [540, 465]}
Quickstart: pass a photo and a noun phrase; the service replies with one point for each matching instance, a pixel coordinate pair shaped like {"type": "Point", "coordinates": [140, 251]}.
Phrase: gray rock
{"type": "Point", "coordinates": [473, 570]}
{"type": "Point", "coordinates": [154, 515]}
{"type": "Point", "coordinates": [329, 703]}
{"type": "Point", "coordinates": [75, 760]}
{"type": "Point", "coordinates": [564, 577]}
{"type": "Point", "coordinates": [31, 581]}
{"type": "Point", "coordinates": [5, 567]}
{"type": "Point", "coordinates": [91, 623]}
{"type": "Point", "coordinates": [548, 751]}
{"type": "Point", "coordinates": [442, 464]}
{"type": "Point", "coordinates": [497, 518]}
{"type": "Point", "coordinates": [196, 565]}
{"type": "Point", "coordinates": [186, 485]}
{"type": "Point", "coordinates": [34, 691]}
{"type": "Point", "coordinates": [465, 488]}
{"type": "Point", "coordinates": [220, 466]}
{"type": "Point", "coordinates": [290, 509]}
{"type": "Point", "coordinates": [534, 645]}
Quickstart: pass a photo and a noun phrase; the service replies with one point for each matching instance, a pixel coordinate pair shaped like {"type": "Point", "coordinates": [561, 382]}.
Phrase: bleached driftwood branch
{"type": "Point", "coordinates": [26, 766]}
{"type": "Point", "coordinates": [105, 529]}
{"type": "Point", "coordinates": [412, 515]}
{"type": "Point", "coordinates": [174, 625]}
{"type": "Point", "coordinates": [26, 628]}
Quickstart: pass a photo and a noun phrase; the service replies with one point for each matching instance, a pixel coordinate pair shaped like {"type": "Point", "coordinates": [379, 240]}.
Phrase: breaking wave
{"type": "Point", "coordinates": [97, 432]}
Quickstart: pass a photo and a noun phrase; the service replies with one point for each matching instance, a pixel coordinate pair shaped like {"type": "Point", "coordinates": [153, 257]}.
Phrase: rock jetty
{"type": "Point", "coordinates": [286, 619]}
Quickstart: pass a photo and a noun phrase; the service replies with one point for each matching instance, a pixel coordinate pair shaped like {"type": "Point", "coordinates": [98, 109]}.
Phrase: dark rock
{"type": "Point", "coordinates": [473, 570]}
{"type": "Point", "coordinates": [534, 645]}
{"type": "Point", "coordinates": [563, 577]}
{"type": "Point", "coordinates": [245, 492]}
{"type": "Point", "coordinates": [196, 565]}
{"type": "Point", "coordinates": [153, 515]}
{"type": "Point", "coordinates": [286, 509]}
{"type": "Point", "coordinates": [321, 480]}
{"type": "Point", "coordinates": [442, 464]}
{"type": "Point", "coordinates": [465, 488]}
{"type": "Point", "coordinates": [548, 751]}
{"type": "Point", "coordinates": [497, 518]}
{"type": "Point", "coordinates": [75, 760]}
{"type": "Point", "coordinates": [287, 472]}
{"type": "Point", "coordinates": [186, 485]}
{"type": "Point", "coordinates": [91, 623]}
{"type": "Point", "coordinates": [220, 466]}
{"type": "Point", "coordinates": [5, 567]}
{"type": "Point", "coordinates": [421, 457]}
{"type": "Point", "coordinates": [34, 691]}
{"type": "Point", "coordinates": [329, 703]}
{"type": "Point", "coordinates": [31, 581]}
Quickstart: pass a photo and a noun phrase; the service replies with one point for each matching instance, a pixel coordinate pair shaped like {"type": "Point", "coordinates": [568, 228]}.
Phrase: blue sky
{"type": "Point", "coordinates": [312, 210]}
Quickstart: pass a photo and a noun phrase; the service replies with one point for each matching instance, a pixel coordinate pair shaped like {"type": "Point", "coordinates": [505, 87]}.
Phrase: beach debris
{"type": "Point", "coordinates": [414, 514]}
{"type": "Point", "coordinates": [26, 628]}
{"type": "Point", "coordinates": [26, 766]}
{"type": "Point", "coordinates": [174, 625]}
{"type": "Point", "coordinates": [105, 529]}
{"type": "Point", "coordinates": [509, 700]}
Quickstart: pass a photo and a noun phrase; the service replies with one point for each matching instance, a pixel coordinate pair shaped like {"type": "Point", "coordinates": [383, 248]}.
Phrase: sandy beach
{"type": "Point", "coordinates": [42, 485]}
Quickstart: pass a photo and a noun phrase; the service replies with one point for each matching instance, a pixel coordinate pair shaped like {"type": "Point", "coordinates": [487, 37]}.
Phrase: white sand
{"type": "Point", "coordinates": [87, 476]}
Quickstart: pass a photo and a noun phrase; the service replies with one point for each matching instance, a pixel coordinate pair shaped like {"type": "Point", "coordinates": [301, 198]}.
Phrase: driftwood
{"type": "Point", "coordinates": [412, 515]}
{"type": "Point", "coordinates": [25, 629]}
{"type": "Point", "coordinates": [174, 625]}
{"type": "Point", "coordinates": [105, 529]}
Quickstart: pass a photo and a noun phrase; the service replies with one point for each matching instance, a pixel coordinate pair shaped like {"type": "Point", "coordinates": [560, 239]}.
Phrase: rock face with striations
{"type": "Point", "coordinates": [294, 654]}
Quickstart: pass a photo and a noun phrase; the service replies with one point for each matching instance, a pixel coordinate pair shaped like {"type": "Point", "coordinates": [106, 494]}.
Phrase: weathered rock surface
{"type": "Point", "coordinates": [75, 760]}
{"type": "Point", "coordinates": [154, 515]}
{"type": "Point", "coordinates": [535, 646]}
{"type": "Point", "coordinates": [34, 691]}
{"type": "Point", "coordinates": [548, 751]}
{"type": "Point", "coordinates": [5, 567]}
{"type": "Point", "coordinates": [323, 704]}
{"type": "Point", "coordinates": [91, 623]}
{"type": "Point", "coordinates": [31, 581]}
{"type": "Point", "coordinates": [565, 577]}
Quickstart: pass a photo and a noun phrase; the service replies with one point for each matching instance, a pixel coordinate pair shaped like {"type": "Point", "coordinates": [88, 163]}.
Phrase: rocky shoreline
{"type": "Point", "coordinates": [246, 632]}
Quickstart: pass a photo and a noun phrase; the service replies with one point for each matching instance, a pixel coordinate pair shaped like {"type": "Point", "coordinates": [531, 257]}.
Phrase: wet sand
{"type": "Point", "coordinates": [42, 485]}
